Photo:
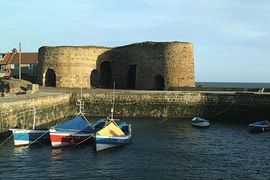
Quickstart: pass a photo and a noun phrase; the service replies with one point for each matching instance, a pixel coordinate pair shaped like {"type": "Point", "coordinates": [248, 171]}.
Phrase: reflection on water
{"type": "Point", "coordinates": [160, 149]}
{"type": "Point", "coordinates": [57, 153]}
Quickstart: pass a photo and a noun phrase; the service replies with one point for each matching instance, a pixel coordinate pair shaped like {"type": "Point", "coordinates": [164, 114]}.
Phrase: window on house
{"type": "Point", "coordinates": [30, 66]}
{"type": "Point", "coordinates": [1, 56]}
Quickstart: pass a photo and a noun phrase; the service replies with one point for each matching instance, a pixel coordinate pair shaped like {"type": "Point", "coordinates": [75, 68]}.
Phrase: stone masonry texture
{"type": "Point", "coordinates": [236, 107]}
{"type": "Point", "coordinates": [147, 65]}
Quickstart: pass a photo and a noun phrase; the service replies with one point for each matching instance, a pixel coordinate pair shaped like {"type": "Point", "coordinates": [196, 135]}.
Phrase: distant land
{"type": "Point", "coordinates": [233, 84]}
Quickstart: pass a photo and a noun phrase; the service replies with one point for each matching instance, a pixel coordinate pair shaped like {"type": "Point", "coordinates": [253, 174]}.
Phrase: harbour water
{"type": "Point", "coordinates": [160, 149]}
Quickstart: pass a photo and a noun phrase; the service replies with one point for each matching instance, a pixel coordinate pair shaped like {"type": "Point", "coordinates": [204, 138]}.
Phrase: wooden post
{"type": "Point", "coordinates": [20, 60]}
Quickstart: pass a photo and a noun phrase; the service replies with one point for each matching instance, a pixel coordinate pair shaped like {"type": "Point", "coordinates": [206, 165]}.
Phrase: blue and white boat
{"type": "Point", "coordinates": [200, 122]}
{"type": "Point", "coordinates": [259, 126]}
{"type": "Point", "coordinates": [113, 135]}
{"type": "Point", "coordinates": [24, 137]}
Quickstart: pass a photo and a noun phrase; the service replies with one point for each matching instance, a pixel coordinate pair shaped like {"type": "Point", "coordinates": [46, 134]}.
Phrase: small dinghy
{"type": "Point", "coordinates": [25, 137]}
{"type": "Point", "coordinates": [113, 135]}
{"type": "Point", "coordinates": [259, 126]}
{"type": "Point", "coordinates": [199, 122]}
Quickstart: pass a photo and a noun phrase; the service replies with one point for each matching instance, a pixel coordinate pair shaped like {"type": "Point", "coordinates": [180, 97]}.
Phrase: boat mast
{"type": "Point", "coordinates": [80, 103]}
{"type": "Point", "coordinates": [112, 109]}
{"type": "Point", "coordinates": [20, 60]}
{"type": "Point", "coordinates": [34, 121]}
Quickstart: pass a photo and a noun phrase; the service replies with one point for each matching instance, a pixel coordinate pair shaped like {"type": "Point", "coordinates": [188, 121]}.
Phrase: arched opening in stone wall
{"type": "Point", "coordinates": [105, 74]}
{"type": "Point", "coordinates": [50, 78]}
{"type": "Point", "coordinates": [159, 82]}
{"type": "Point", "coordinates": [94, 78]}
{"type": "Point", "coordinates": [132, 77]}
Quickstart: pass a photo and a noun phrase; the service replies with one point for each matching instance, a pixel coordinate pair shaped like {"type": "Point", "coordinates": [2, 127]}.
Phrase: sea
{"type": "Point", "coordinates": [159, 149]}
{"type": "Point", "coordinates": [233, 84]}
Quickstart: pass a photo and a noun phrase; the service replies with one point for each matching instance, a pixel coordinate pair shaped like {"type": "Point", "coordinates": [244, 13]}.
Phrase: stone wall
{"type": "Point", "coordinates": [73, 66]}
{"type": "Point", "coordinates": [19, 113]}
{"type": "Point", "coordinates": [150, 104]}
{"type": "Point", "coordinates": [157, 105]}
{"type": "Point", "coordinates": [148, 58]}
{"type": "Point", "coordinates": [172, 61]}
{"type": "Point", "coordinates": [239, 106]}
{"type": "Point", "coordinates": [179, 65]}
{"type": "Point", "coordinates": [215, 106]}
{"type": "Point", "coordinates": [147, 65]}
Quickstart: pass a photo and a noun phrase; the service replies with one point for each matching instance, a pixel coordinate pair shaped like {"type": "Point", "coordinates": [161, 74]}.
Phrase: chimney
{"type": "Point", "coordinates": [14, 51]}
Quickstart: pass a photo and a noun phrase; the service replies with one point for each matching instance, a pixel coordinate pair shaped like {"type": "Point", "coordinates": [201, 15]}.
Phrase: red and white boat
{"type": "Point", "coordinates": [73, 132]}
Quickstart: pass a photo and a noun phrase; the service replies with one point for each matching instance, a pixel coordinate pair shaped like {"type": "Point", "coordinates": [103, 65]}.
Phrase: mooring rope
{"type": "Point", "coordinates": [38, 139]}
{"type": "Point", "coordinates": [255, 105]}
{"type": "Point", "coordinates": [6, 140]}
{"type": "Point", "coordinates": [83, 141]}
{"type": "Point", "coordinates": [226, 107]}
{"type": "Point", "coordinates": [41, 144]}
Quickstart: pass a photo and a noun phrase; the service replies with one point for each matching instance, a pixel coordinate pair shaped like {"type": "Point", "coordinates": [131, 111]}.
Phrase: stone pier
{"type": "Point", "coordinates": [56, 104]}
{"type": "Point", "coordinates": [17, 112]}
{"type": "Point", "coordinates": [236, 106]}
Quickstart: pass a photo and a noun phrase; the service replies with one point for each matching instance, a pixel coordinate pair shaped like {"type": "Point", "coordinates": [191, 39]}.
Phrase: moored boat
{"type": "Point", "coordinates": [259, 126]}
{"type": "Point", "coordinates": [74, 131]}
{"type": "Point", "coordinates": [113, 135]}
{"type": "Point", "coordinates": [24, 137]}
{"type": "Point", "coordinates": [200, 122]}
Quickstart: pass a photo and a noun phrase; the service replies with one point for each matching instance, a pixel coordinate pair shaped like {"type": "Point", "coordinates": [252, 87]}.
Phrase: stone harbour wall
{"type": "Point", "coordinates": [19, 114]}
{"type": "Point", "coordinates": [223, 106]}
{"type": "Point", "coordinates": [233, 106]}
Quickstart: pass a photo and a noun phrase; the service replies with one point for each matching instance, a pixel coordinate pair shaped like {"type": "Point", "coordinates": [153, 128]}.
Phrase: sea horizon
{"type": "Point", "coordinates": [233, 84]}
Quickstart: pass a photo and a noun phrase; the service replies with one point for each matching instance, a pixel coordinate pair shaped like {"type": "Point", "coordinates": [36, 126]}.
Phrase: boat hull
{"type": "Point", "coordinates": [23, 137]}
{"type": "Point", "coordinates": [199, 122]}
{"type": "Point", "coordinates": [103, 142]}
{"type": "Point", "coordinates": [257, 129]}
{"type": "Point", "coordinates": [259, 126]}
{"type": "Point", "coordinates": [62, 139]}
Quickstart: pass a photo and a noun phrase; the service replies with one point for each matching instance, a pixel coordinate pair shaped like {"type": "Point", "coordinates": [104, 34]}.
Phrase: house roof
{"type": "Point", "coordinates": [5, 59]}
{"type": "Point", "coordinates": [26, 58]}
{"type": "Point", "coordinates": [13, 58]}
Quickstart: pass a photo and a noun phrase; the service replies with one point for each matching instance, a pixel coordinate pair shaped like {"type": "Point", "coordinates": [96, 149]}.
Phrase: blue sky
{"type": "Point", "coordinates": [231, 37]}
